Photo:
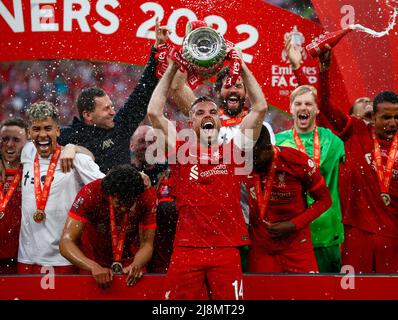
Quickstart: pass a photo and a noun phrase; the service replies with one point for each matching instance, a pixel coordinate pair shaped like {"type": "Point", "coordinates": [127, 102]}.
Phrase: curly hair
{"type": "Point", "coordinates": [123, 181]}
{"type": "Point", "coordinates": [42, 110]}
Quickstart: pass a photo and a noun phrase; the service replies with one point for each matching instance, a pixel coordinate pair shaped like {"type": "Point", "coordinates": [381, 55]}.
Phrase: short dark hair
{"type": "Point", "coordinates": [384, 96]}
{"type": "Point", "coordinates": [221, 75]}
{"type": "Point", "coordinates": [199, 100]}
{"type": "Point", "coordinates": [123, 181]}
{"type": "Point", "coordinates": [19, 122]}
{"type": "Point", "coordinates": [264, 139]}
{"type": "Point", "coordinates": [85, 100]}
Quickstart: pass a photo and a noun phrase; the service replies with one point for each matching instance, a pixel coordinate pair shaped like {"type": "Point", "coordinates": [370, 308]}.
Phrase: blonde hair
{"type": "Point", "coordinates": [301, 90]}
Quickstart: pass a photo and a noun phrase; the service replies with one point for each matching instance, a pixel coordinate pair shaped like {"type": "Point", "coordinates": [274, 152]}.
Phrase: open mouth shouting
{"type": "Point", "coordinates": [44, 146]}
{"type": "Point", "coordinates": [208, 126]}
{"type": "Point", "coordinates": [10, 155]}
{"type": "Point", "coordinates": [233, 104]}
{"type": "Point", "coordinates": [10, 152]}
{"type": "Point", "coordinates": [390, 133]}
{"type": "Point", "coordinates": [233, 101]}
{"type": "Point", "coordinates": [303, 118]}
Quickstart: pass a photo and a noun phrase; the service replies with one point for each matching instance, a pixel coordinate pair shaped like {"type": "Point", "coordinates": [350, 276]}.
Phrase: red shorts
{"type": "Point", "coordinates": [24, 268]}
{"type": "Point", "coordinates": [299, 257]}
{"type": "Point", "coordinates": [368, 252]}
{"type": "Point", "coordinates": [193, 272]}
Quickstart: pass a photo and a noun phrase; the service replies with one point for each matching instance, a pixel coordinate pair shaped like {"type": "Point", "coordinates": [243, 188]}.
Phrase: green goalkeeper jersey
{"type": "Point", "coordinates": [327, 229]}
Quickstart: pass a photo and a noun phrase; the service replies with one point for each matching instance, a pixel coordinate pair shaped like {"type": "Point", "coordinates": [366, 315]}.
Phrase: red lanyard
{"type": "Point", "coordinates": [384, 176]}
{"type": "Point", "coordinates": [5, 198]}
{"type": "Point", "coordinates": [317, 145]}
{"type": "Point", "coordinates": [232, 121]}
{"type": "Point", "coordinates": [42, 195]}
{"type": "Point", "coordinates": [118, 238]}
{"type": "Point", "coordinates": [263, 197]}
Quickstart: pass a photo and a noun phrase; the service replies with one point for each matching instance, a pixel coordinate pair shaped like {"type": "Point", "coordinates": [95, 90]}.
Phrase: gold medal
{"type": "Point", "coordinates": [386, 198]}
{"type": "Point", "coordinates": [2, 214]}
{"type": "Point", "coordinates": [117, 268]}
{"type": "Point", "coordinates": [39, 216]}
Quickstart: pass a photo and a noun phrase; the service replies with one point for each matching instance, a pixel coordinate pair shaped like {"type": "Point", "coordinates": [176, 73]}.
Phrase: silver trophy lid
{"type": "Point", "coordinates": [204, 47]}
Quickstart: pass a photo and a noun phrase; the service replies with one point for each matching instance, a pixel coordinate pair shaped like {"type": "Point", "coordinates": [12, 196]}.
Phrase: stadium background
{"type": "Point", "coordinates": [60, 81]}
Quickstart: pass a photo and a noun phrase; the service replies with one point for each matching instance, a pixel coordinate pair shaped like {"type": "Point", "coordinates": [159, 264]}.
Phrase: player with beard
{"type": "Point", "coordinates": [210, 226]}
{"type": "Point", "coordinates": [231, 101]}
{"type": "Point", "coordinates": [327, 150]}
{"type": "Point", "coordinates": [279, 224]}
{"type": "Point", "coordinates": [370, 191]}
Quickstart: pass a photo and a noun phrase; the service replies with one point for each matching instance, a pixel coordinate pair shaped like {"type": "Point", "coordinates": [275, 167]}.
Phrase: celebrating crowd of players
{"type": "Point", "coordinates": [310, 199]}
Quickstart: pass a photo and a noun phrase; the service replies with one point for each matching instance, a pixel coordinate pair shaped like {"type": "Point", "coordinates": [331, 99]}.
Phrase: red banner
{"type": "Point", "coordinates": [257, 287]}
{"type": "Point", "coordinates": [112, 30]}
{"type": "Point", "coordinates": [367, 64]}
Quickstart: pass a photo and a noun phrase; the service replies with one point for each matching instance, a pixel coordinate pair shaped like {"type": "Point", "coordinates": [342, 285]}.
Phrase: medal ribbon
{"type": "Point", "coordinates": [384, 177]}
{"type": "Point", "coordinates": [5, 198]}
{"type": "Point", "coordinates": [232, 121]}
{"type": "Point", "coordinates": [263, 197]}
{"type": "Point", "coordinates": [117, 239]}
{"type": "Point", "coordinates": [161, 57]}
{"type": "Point", "coordinates": [42, 195]}
{"type": "Point", "coordinates": [235, 68]}
{"type": "Point", "coordinates": [317, 145]}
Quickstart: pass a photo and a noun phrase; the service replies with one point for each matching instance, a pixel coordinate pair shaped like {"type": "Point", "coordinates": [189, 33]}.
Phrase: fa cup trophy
{"type": "Point", "coordinates": [203, 53]}
{"type": "Point", "coordinates": [204, 49]}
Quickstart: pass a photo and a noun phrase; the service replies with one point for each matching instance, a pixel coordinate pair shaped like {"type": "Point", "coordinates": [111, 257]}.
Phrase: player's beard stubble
{"type": "Point", "coordinates": [232, 111]}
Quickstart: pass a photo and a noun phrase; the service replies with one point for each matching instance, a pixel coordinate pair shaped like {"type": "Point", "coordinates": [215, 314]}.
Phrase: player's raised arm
{"type": "Point", "coordinates": [254, 120]}
{"type": "Point", "coordinates": [157, 103]}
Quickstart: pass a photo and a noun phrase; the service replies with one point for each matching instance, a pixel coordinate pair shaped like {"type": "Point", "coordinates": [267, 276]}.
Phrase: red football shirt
{"type": "Point", "coordinates": [92, 207]}
{"type": "Point", "coordinates": [11, 222]}
{"type": "Point", "coordinates": [295, 175]}
{"type": "Point", "coordinates": [208, 198]}
{"type": "Point", "coordinates": [362, 203]}
{"type": "Point", "coordinates": [364, 207]}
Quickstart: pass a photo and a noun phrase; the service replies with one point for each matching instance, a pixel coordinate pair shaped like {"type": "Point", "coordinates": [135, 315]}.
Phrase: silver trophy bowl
{"type": "Point", "coordinates": [205, 49]}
